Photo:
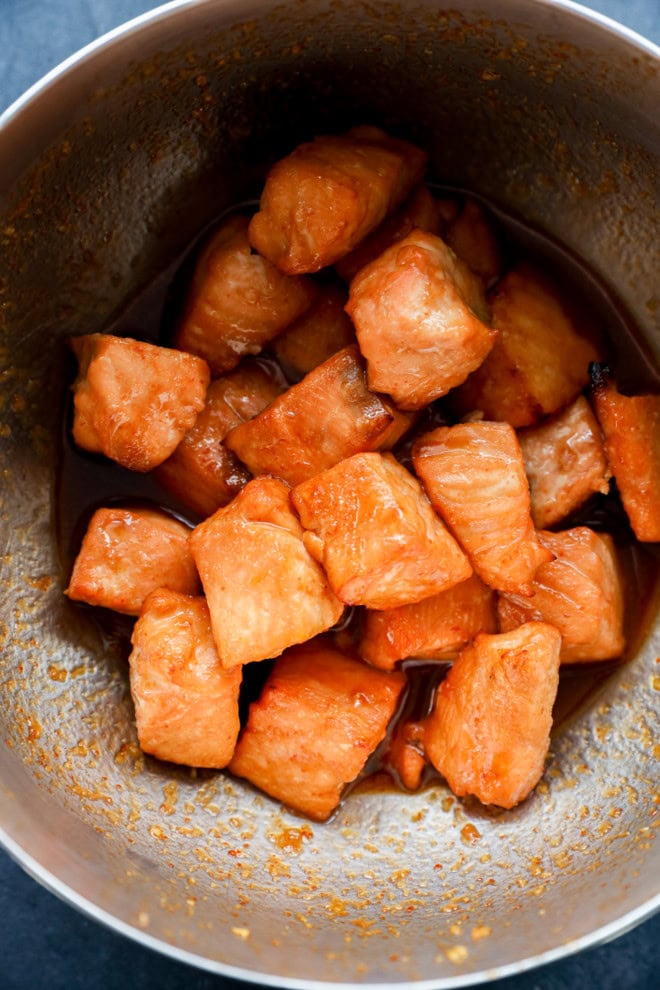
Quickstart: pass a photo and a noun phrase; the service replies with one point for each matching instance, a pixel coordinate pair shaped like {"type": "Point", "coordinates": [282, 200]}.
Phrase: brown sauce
{"type": "Point", "coordinates": [84, 482]}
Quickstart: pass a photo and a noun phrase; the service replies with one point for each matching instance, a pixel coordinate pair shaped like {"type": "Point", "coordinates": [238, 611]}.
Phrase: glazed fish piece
{"type": "Point", "coordinates": [320, 201]}
{"type": "Point", "coordinates": [186, 703]}
{"type": "Point", "coordinates": [369, 523]}
{"type": "Point", "coordinates": [489, 731]}
{"type": "Point", "coordinates": [475, 478]}
{"type": "Point", "coordinates": [320, 716]}
{"type": "Point", "coordinates": [134, 401]}
{"type": "Point", "coordinates": [238, 301]}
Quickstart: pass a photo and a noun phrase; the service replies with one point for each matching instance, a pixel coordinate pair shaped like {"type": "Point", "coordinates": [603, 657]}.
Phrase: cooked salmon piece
{"type": "Point", "coordinates": [202, 472]}
{"type": "Point", "coordinates": [421, 320]}
{"type": "Point", "coordinates": [320, 332]}
{"type": "Point", "coordinates": [134, 401]}
{"type": "Point", "coordinates": [631, 427]}
{"type": "Point", "coordinates": [371, 526]}
{"type": "Point", "coordinates": [264, 590]}
{"type": "Point", "coordinates": [580, 592]}
{"type": "Point", "coordinates": [489, 732]}
{"type": "Point", "coordinates": [320, 716]}
{"type": "Point", "coordinates": [329, 415]}
{"type": "Point", "coordinates": [186, 703]}
{"type": "Point", "coordinates": [475, 478]}
{"type": "Point", "coordinates": [320, 201]}
{"type": "Point", "coordinates": [540, 361]}
{"type": "Point", "coordinates": [404, 757]}
{"type": "Point", "coordinates": [421, 211]}
{"type": "Point", "coordinates": [238, 301]}
{"type": "Point", "coordinates": [434, 629]}
{"type": "Point", "coordinates": [471, 236]}
{"type": "Point", "coordinates": [565, 462]}
{"type": "Point", "coordinates": [128, 553]}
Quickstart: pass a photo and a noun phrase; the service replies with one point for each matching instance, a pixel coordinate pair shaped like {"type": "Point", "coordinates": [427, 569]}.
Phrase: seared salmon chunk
{"type": "Point", "coordinates": [326, 417]}
{"type": "Point", "coordinates": [134, 401]}
{"type": "Point", "coordinates": [265, 592]}
{"type": "Point", "coordinates": [238, 301]}
{"type": "Point", "coordinates": [434, 629]}
{"type": "Point", "coordinates": [540, 361]}
{"type": "Point", "coordinates": [320, 201]}
{"type": "Point", "coordinates": [421, 320]}
{"type": "Point", "coordinates": [186, 703]}
{"type": "Point", "coordinates": [489, 732]}
{"type": "Point", "coordinates": [371, 526]}
{"type": "Point", "coordinates": [320, 716]}
{"type": "Point", "coordinates": [475, 478]}
{"type": "Point", "coordinates": [580, 592]}
{"type": "Point", "coordinates": [565, 462]}
{"type": "Point", "coordinates": [631, 426]}
{"type": "Point", "coordinates": [202, 472]}
{"type": "Point", "coordinates": [128, 553]}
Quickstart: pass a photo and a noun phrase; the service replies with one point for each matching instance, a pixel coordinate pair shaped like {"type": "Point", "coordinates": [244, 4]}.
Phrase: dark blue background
{"type": "Point", "coordinates": [45, 943]}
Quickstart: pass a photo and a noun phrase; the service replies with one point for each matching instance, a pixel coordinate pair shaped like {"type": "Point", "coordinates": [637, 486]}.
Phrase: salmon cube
{"type": "Point", "coordinates": [420, 317]}
{"type": "Point", "coordinates": [134, 401]}
{"type": "Point", "coordinates": [489, 732]}
{"type": "Point", "coordinates": [320, 716]}
{"type": "Point", "coordinates": [320, 332]}
{"type": "Point", "coordinates": [405, 758]}
{"type": "Point", "coordinates": [202, 472]}
{"type": "Point", "coordinates": [128, 553]}
{"type": "Point", "coordinates": [472, 238]}
{"type": "Point", "coordinates": [238, 301]}
{"type": "Point", "coordinates": [565, 462]}
{"type": "Point", "coordinates": [186, 703]}
{"type": "Point", "coordinates": [631, 426]}
{"type": "Point", "coordinates": [371, 526]}
{"type": "Point", "coordinates": [580, 592]}
{"type": "Point", "coordinates": [434, 629]}
{"type": "Point", "coordinates": [329, 415]}
{"type": "Point", "coordinates": [327, 195]}
{"type": "Point", "coordinates": [265, 592]}
{"type": "Point", "coordinates": [540, 361]}
{"type": "Point", "coordinates": [475, 478]}
{"type": "Point", "coordinates": [421, 211]}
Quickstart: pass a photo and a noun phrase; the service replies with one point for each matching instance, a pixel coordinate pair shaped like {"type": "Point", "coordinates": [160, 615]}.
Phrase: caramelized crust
{"type": "Point", "coordinates": [238, 301]}
{"type": "Point", "coordinates": [420, 318]}
{"type": "Point", "coordinates": [186, 704]}
{"type": "Point", "coordinates": [320, 201]}
{"type": "Point", "coordinates": [320, 716]}
{"type": "Point", "coordinates": [631, 426]}
{"type": "Point", "coordinates": [489, 732]}
{"type": "Point", "coordinates": [434, 629]}
{"type": "Point", "coordinates": [540, 361]}
{"type": "Point", "coordinates": [475, 478]}
{"type": "Point", "coordinates": [264, 590]}
{"type": "Point", "coordinates": [328, 416]}
{"type": "Point", "coordinates": [565, 462]}
{"type": "Point", "coordinates": [580, 592]}
{"type": "Point", "coordinates": [128, 553]}
{"type": "Point", "coordinates": [371, 526]}
{"type": "Point", "coordinates": [202, 472]}
{"type": "Point", "coordinates": [134, 401]}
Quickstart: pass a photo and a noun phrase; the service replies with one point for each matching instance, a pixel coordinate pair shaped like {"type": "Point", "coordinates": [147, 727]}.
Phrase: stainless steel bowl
{"type": "Point", "coordinates": [108, 170]}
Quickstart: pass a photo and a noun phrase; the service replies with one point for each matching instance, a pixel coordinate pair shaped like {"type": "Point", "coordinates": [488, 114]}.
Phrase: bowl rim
{"type": "Point", "coordinates": [38, 871]}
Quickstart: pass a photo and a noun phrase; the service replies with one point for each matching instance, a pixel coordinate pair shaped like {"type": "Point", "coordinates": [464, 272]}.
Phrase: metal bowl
{"type": "Point", "coordinates": [109, 170]}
